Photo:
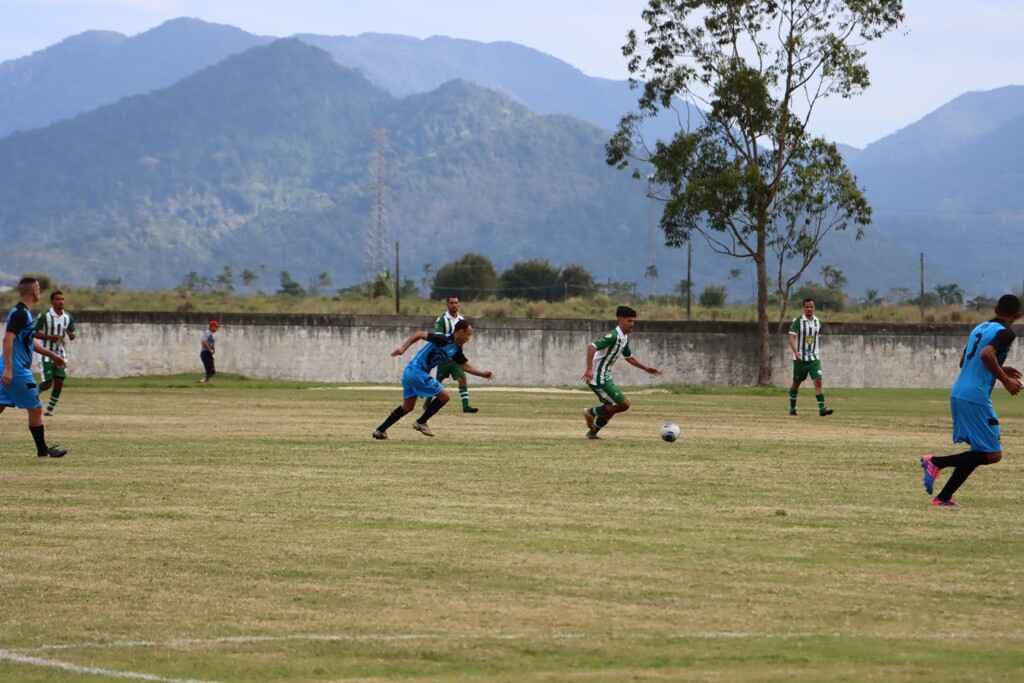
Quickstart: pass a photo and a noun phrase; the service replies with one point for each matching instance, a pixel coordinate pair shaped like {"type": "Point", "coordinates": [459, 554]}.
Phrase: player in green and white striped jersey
{"type": "Point", "coordinates": [54, 328]}
{"type": "Point", "coordinates": [805, 343]}
{"type": "Point", "coordinates": [445, 324]}
{"type": "Point", "coordinates": [601, 356]}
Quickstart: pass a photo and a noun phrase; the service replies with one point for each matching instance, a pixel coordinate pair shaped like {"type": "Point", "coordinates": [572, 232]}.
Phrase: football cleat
{"type": "Point", "coordinates": [793, 412]}
{"type": "Point", "coordinates": [55, 452]}
{"type": "Point", "coordinates": [592, 435]}
{"type": "Point", "coordinates": [379, 435]}
{"type": "Point", "coordinates": [422, 429]}
{"type": "Point", "coordinates": [945, 503]}
{"type": "Point", "coordinates": [470, 409]}
{"type": "Point", "coordinates": [826, 412]}
{"type": "Point", "coordinates": [930, 473]}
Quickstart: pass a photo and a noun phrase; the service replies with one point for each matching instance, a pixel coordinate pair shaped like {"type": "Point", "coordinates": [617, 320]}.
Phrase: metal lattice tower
{"type": "Point", "coordinates": [376, 253]}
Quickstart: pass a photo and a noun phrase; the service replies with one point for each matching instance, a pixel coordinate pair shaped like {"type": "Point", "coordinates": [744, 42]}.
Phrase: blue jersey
{"type": "Point", "coordinates": [19, 322]}
{"type": "Point", "coordinates": [439, 349]}
{"type": "Point", "coordinates": [976, 381]}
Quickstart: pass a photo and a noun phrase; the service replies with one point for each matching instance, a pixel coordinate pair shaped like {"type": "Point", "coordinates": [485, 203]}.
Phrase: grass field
{"type": "Point", "coordinates": [252, 531]}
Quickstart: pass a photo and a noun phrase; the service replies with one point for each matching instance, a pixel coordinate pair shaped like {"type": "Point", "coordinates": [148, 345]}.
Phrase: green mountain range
{"type": "Point", "coordinates": [265, 158]}
{"type": "Point", "coordinates": [195, 145]}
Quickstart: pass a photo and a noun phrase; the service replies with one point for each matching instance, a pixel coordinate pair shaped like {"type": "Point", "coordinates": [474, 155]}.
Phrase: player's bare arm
{"type": "Point", "coordinates": [991, 361]}
{"type": "Point", "coordinates": [646, 368]}
{"type": "Point", "coordinates": [8, 358]}
{"type": "Point", "coordinates": [792, 346]}
{"type": "Point", "coordinates": [42, 351]}
{"type": "Point", "coordinates": [486, 374]}
{"type": "Point", "coordinates": [588, 374]}
{"type": "Point", "coordinates": [419, 336]}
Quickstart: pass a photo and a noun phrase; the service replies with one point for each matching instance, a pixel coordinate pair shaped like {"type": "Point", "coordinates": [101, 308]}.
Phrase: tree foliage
{"type": "Point", "coordinates": [534, 280]}
{"type": "Point", "coordinates": [471, 277]}
{"type": "Point", "coordinates": [713, 296]}
{"type": "Point", "coordinates": [289, 287]}
{"type": "Point", "coordinates": [950, 294]}
{"type": "Point", "coordinates": [743, 171]}
{"type": "Point", "coordinates": [576, 280]}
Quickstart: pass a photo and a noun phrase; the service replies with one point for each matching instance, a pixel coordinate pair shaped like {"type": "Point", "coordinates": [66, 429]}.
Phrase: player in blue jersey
{"type": "Point", "coordinates": [974, 419]}
{"type": "Point", "coordinates": [17, 385]}
{"type": "Point", "coordinates": [416, 379]}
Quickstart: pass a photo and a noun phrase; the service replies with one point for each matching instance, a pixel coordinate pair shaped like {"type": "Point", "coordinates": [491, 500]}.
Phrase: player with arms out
{"type": "Point", "coordinates": [416, 379]}
{"type": "Point", "coordinates": [974, 419]}
{"type": "Point", "coordinates": [445, 324]}
{"type": "Point", "coordinates": [601, 356]}
{"type": "Point", "coordinates": [17, 385]}
{"type": "Point", "coordinates": [805, 343]}
{"type": "Point", "coordinates": [53, 329]}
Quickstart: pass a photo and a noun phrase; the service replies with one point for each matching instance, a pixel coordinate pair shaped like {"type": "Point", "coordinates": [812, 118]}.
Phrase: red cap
{"type": "Point", "coordinates": [214, 323]}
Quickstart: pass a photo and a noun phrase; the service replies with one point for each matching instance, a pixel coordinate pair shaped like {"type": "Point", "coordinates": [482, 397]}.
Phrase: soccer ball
{"type": "Point", "coordinates": [669, 431]}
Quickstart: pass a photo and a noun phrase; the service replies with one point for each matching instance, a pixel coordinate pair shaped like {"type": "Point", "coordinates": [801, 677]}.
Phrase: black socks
{"type": "Point", "coordinates": [965, 464]}
{"type": "Point", "coordinates": [396, 415]}
{"type": "Point", "coordinates": [40, 439]}
{"type": "Point", "coordinates": [966, 458]}
{"type": "Point", "coordinates": [430, 410]}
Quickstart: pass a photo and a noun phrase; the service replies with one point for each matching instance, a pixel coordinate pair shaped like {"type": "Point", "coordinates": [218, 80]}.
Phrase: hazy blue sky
{"type": "Point", "coordinates": [946, 48]}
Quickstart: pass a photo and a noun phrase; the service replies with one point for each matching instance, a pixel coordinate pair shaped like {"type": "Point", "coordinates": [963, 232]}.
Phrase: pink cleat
{"type": "Point", "coordinates": [945, 503]}
{"type": "Point", "coordinates": [931, 473]}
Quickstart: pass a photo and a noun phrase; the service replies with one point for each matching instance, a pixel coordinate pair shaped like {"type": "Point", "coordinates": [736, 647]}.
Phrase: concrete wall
{"type": "Point", "coordinates": [521, 352]}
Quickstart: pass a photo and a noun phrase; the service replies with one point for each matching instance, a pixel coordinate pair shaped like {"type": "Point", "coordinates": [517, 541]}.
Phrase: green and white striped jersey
{"type": "Point", "coordinates": [445, 324]}
{"type": "Point", "coordinates": [609, 348]}
{"type": "Point", "coordinates": [54, 325]}
{"type": "Point", "coordinates": [808, 337]}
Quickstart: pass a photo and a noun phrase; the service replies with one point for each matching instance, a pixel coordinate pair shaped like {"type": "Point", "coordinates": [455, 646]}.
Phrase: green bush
{"type": "Point", "coordinates": [534, 280]}
{"type": "Point", "coordinates": [471, 278]}
{"type": "Point", "coordinates": [713, 296]}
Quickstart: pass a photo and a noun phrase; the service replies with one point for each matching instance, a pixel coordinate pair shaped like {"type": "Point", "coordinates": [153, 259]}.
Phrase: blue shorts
{"type": "Point", "coordinates": [22, 392]}
{"type": "Point", "coordinates": [417, 383]}
{"type": "Point", "coordinates": [977, 425]}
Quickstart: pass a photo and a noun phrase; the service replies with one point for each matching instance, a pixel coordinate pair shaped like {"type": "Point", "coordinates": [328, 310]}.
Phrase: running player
{"type": "Point", "coordinates": [805, 343]}
{"type": "Point", "coordinates": [445, 324]}
{"type": "Point", "coordinates": [417, 382]}
{"type": "Point", "coordinates": [17, 385]}
{"type": "Point", "coordinates": [604, 352]}
{"type": "Point", "coordinates": [974, 419]}
{"type": "Point", "coordinates": [52, 329]}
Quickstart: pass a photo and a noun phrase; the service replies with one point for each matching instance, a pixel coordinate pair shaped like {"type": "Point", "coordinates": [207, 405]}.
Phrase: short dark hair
{"type": "Point", "coordinates": [55, 294]}
{"type": "Point", "coordinates": [1008, 305]}
{"type": "Point", "coordinates": [625, 312]}
{"type": "Point", "coordinates": [452, 296]}
{"type": "Point", "coordinates": [25, 284]}
{"type": "Point", "coordinates": [461, 325]}
{"type": "Point", "coordinates": [811, 299]}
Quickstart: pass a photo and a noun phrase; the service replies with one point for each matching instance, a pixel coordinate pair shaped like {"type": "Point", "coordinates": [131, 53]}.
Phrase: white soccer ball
{"type": "Point", "coordinates": [670, 431]}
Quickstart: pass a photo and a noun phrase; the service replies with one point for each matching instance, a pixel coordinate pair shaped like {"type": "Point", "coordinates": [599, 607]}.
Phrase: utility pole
{"type": "Point", "coordinates": [398, 281]}
{"type": "Point", "coordinates": [921, 296]}
{"type": "Point", "coordinates": [689, 277]}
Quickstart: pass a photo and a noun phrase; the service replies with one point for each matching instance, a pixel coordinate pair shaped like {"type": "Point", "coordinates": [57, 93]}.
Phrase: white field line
{"type": "Point", "coordinates": [186, 643]}
{"type": "Point", "coordinates": [9, 656]}
{"type": "Point", "coordinates": [497, 390]}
